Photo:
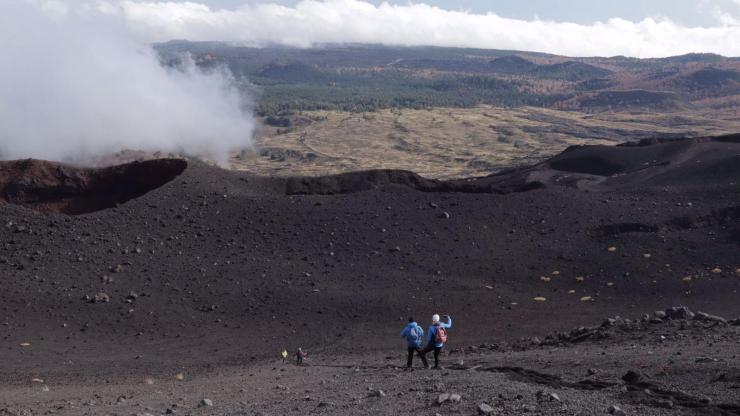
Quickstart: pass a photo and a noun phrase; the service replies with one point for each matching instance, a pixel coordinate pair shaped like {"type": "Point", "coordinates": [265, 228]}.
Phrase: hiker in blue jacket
{"type": "Point", "coordinates": [437, 338]}
{"type": "Point", "coordinates": [414, 335]}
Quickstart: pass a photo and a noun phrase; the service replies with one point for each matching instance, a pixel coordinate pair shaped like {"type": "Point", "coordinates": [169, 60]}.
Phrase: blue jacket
{"type": "Point", "coordinates": [433, 332]}
{"type": "Point", "coordinates": [410, 342]}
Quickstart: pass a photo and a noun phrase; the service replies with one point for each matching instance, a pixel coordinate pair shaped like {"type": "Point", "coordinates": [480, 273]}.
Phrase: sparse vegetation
{"type": "Point", "coordinates": [453, 142]}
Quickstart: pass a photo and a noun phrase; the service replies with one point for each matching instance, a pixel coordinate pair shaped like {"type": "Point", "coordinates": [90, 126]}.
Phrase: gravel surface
{"type": "Point", "coordinates": [215, 272]}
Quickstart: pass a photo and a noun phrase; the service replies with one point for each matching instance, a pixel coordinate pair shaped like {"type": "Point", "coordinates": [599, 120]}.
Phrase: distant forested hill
{"type": "Point", "coordinates": [371, 77]}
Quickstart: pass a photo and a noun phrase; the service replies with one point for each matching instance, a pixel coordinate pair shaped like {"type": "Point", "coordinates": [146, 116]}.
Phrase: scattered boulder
{"type": "Point", "coordinates": [100, 298]}
{"type": "Point", "coordinates": [484, 409]}
{"type": "Point", "coordinates": [613, 326]}
{"type": "Point", "coordinates": [442, 398]}
{"type": "Point", "coordinates": [633, 377]}
{"type": "Point", "coordinates": [205, 403]}
{"type": "Point", "coordinates": [377, 393]}
{"type": "Point", "coordinates": [666, 404]}
{"type": "Point", "coordinates": [455, 398]}
{"type": "Point", "coordinates": [615, 411]}
{"type": "Point", "coordinates": [679, 313]}
{"type": "Point", "coordinates": [541, 396]}
{"type": "Point", "coordinates": [701, 316]}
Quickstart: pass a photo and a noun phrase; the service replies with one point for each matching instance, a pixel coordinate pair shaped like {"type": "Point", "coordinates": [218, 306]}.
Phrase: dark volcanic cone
{"type": "Point", "coordinates": [190, 264]}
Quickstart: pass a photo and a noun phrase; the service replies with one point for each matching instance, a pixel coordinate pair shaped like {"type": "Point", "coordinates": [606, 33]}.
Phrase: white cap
{"type": "Point", "coordinates": [435, 318]}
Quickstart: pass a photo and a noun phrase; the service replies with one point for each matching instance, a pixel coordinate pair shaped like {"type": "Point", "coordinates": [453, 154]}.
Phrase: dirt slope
{"type": "Point", "coordinates": [218, 267]}
{"type": "Point", "coordinates": [672, 362]}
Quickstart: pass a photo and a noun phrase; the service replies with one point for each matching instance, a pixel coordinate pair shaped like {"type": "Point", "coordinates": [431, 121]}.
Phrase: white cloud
{"type": "Point", "coordinates": [721, 15]}
{"type": "Point", "coordinates": [314, 21]}
{"type": "Point", "coordinates": [75, 83]}
{"type": "Point", "coordinates": [77, 77]}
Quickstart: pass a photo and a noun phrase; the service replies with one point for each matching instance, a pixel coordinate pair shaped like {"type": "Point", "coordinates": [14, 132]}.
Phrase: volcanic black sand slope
{"type": "Point", "coordinates": [172, 263]}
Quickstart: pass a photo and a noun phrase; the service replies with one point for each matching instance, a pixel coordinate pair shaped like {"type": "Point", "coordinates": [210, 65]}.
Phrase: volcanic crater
{"type": "Point", "coordinates": [63, 189]}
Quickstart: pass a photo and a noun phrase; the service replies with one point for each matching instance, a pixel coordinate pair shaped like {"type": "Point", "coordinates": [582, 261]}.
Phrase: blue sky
{"type": "Point", "coordinates": [686, 12]}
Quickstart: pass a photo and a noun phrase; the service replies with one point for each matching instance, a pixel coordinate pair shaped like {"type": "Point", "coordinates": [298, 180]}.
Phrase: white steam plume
{"type": "Point", "coordinates": [75, 84]}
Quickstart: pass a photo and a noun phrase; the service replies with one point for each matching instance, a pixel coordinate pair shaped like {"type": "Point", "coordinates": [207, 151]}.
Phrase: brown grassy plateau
{"type": "Point", "coordinates": [455, 142]}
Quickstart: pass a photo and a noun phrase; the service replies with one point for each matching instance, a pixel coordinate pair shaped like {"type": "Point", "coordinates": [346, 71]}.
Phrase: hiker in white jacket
{"type": "Point", "coordinates": [437, 337]}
